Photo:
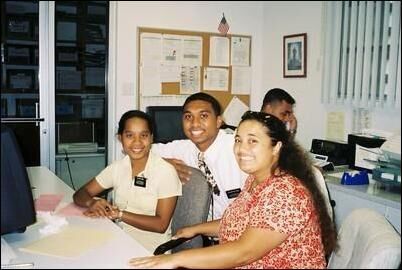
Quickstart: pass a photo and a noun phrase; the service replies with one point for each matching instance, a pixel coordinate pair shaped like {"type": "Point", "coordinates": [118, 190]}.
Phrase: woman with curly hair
{"type": "Point", "coordinates": [279, 220]}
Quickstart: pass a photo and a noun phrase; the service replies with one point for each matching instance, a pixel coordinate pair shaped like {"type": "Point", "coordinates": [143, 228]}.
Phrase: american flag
{"type": "Point", "coordinates": [223, 27]}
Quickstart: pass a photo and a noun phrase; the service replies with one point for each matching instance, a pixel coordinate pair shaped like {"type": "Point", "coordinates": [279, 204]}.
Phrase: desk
{"type": "Point", "coordinates": [114, 254]}
{"type": "Point", "coordinates": [349, 197]}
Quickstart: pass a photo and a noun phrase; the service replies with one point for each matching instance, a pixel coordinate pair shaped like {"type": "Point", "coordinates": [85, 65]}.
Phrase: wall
{"type": "Point", "coordinates": [285, 18]}
{"type": "Point", "coordinates": [267, 23]}
{"type": "Point", "coordinates": [243, 18]}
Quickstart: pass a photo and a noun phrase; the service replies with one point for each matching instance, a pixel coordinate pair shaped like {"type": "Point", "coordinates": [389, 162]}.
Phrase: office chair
{"type": "Point", "coordinates": [324, 190]}
{"type": "Point", "coordinates": [366, 240]}
{"type": "Point", "coordinates": [191, 208]}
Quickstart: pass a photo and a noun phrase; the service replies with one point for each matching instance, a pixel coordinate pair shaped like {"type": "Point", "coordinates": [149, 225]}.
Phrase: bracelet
{"type": "Point", "coordinates": [120, 215]}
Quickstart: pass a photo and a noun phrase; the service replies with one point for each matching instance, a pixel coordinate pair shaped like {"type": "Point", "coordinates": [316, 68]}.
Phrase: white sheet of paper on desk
{"type": "Point", "coordinates": [7, 253]}
{"type": "Point", "coordinates": [70, 242]}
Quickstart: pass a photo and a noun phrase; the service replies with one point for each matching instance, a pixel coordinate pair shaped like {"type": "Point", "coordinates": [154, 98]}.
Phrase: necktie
{"type": "Point", "coordinates": [207, 172]}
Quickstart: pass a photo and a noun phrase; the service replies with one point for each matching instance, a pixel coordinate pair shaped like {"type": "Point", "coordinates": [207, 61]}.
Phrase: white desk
{"type": "Point", "coordinates": [349, 197]}
{"type": "Point", "coordinates": [114, 254]}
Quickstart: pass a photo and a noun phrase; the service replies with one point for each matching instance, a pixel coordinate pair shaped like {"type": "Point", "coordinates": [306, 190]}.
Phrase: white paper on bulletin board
{"type": "Point", "coordinates": [216, 79]}
{"type": "Point", "coordinates": [241, 80]}
{"type": "Point", "coordinates": [219, 51]}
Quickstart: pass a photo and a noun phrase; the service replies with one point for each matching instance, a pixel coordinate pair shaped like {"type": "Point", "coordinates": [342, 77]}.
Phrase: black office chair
{"type": "Point", "coordinates": [191, 208]}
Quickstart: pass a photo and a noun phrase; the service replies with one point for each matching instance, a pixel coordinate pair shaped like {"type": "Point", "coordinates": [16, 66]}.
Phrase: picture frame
{"type": "Point", "coordinates": [295, 55]}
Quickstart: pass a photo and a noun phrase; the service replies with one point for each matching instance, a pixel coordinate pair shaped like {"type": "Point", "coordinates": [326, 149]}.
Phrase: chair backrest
{"type": "Point", "coordinates": [324, 190]}
{"type": "Point", "coordinates": [366, 240]}
{"type": "Point", "coordinates": [192, 207]}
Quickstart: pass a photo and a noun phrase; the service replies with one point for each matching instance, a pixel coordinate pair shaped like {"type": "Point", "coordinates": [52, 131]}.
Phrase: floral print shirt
{"type": "Point", "coordinates": [282, 204]}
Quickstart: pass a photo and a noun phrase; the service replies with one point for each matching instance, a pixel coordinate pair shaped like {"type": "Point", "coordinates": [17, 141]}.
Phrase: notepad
{"type": "Point", "coordinates": [71, 210]}
{"type": "Point", "coordinates": [48, 202]}
{"type": "Point", "coordinates": [71, 242]}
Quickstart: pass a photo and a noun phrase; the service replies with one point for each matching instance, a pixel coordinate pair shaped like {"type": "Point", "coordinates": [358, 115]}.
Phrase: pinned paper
{"type": "Point", "coordinates": [48, 202]}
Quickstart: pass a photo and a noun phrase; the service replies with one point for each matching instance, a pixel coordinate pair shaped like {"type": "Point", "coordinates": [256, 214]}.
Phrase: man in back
{"type": "Point", "coordinates": [280, 104]}
{"type": "Point", "coordinates": [201, 122]}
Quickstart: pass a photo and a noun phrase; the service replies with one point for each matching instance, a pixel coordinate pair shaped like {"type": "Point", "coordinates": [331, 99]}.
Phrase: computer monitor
{"type": "Point", "coordinates": [167, 123]}
{"type": "Point", "coordinates": [17, 207]}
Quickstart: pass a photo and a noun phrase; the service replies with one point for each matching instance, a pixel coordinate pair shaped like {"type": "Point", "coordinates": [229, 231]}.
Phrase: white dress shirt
{"type": "Point", "coordinates": [219, 158]}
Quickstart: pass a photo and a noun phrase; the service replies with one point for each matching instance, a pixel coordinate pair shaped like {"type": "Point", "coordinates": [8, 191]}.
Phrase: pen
{"type": "Point", "coordinates": [17, 265]}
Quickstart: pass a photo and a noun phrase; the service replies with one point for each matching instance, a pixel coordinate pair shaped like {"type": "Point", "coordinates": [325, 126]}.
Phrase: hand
{"type": "Point", "coordinates": [155, 262]}
{"type": "Point", "coordinates": [182, 169]}
{"type": "Point", "coordinates": [185, 232]}
{"type": "Point", "coordinates": [99, 208]}
{"type": "Point", "coordinates": [292, 124]}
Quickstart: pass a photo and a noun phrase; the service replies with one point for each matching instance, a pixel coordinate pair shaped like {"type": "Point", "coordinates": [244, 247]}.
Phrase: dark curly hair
{"type": "Point", "coordinates": [294, 160]}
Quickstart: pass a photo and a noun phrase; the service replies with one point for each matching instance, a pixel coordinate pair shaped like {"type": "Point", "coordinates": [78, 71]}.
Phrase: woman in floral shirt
{"type": "Point", "coordinates": [279, 220]}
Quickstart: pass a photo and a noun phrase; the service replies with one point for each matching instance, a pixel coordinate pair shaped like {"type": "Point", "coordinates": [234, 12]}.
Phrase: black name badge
{"type": "Point", "coordinates": [140, 181]}
{"type": "Point", "coordinates": [233, 193]}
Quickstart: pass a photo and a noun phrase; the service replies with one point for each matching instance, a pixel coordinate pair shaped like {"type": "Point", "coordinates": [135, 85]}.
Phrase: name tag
{"type": "Point", "coordinates": [140, 181]}
{"type": "Point", "coordinates": [233, 193]}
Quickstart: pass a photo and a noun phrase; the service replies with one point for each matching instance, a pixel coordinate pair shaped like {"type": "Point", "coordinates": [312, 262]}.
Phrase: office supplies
{"type": "Point", "coordinates": [388, 166]}
{"type": "Point", "coordinates": [362, 149]}
{"type": "Point", "coordinates": [71, 242]}
{"type": "Point", "coordinates": [337, 152]}
{"type": "Point", "coordinates": [48, 202]}
{"type": "Point", "coordinates": [359, 178]}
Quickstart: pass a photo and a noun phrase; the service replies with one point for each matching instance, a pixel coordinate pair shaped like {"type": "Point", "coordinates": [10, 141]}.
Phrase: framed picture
{"type": "Point", "coordinates": [295, 55]}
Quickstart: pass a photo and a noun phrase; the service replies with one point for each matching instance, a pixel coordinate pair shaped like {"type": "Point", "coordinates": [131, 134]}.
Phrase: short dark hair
{"type": "Point", "coordinates": [205, 97]}
{"type": "Point", "coordinates": [277, 95]}
{"type": "Point", "coordinates": [135, 114]}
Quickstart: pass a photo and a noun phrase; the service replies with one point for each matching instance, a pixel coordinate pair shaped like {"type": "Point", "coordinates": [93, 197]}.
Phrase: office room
{"type": "Point", "coordinates": [90, 60]}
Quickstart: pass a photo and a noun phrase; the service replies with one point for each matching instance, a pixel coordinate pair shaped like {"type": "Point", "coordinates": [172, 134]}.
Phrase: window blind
{"type": "Point", "coordinates": [362, 54]}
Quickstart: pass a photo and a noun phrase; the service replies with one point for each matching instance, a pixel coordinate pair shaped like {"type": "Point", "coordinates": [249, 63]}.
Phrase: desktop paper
{"type": "Point", "coordinates": [48, 202]}
{"type": "Point", "coordinates": [71, 242]}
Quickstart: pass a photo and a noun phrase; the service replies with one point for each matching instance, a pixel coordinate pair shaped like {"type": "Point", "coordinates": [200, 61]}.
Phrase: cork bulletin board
{"type": "Point", "coordinates": [172, 89]}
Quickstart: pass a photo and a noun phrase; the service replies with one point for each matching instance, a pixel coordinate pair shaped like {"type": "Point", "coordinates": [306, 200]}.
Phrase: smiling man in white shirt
{"type": "Point", "coordinates": [201, 122]}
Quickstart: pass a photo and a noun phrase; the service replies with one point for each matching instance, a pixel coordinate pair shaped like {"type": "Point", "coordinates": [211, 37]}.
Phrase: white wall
{"type": "Point", "coordinates": [267, 23]}
{"type": "Point", "coordinates": [285, 18]}
{"type": "Point", "coordinates": [243, 18]}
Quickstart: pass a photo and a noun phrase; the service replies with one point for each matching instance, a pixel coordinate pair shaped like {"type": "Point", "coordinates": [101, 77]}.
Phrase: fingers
{"type": "Point", "coordinates": [154, 262]}
{"type": "Point", "coordinates": [182, 169]}
{"type": "Point", "coordinates": [101, 208]}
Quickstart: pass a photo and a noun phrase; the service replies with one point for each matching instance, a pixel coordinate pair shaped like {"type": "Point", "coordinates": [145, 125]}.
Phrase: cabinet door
{"type": "Point", "coordinates": [346, 203]}
{"type": "Point", "coordinates": [81, 45]}
{"type": "Point", "coordinates": [394, 217]}
{"type": "Point", "coordinates": [19, 77]}
{"type": "Point", "coordinates": [77, 171]}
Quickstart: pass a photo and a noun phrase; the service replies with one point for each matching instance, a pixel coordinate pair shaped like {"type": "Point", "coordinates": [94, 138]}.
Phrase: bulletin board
{"type": "Point", "coordinates": [169, 89]}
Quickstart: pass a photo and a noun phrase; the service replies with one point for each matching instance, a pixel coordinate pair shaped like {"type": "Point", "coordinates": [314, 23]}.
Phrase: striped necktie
{"type": "Point", "coordinates": [207, 172]}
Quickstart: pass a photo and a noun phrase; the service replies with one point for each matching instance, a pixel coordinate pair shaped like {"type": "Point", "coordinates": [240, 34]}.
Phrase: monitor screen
{"type": "Point", "coordinates": [17, 207]}
{"type": "Point", "coordinates": [167, 123]}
